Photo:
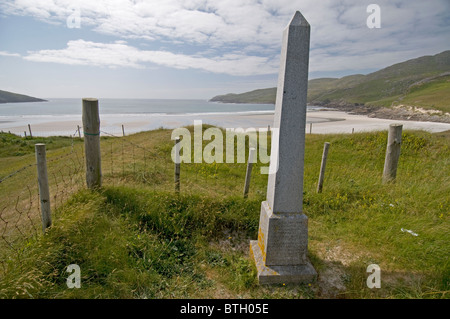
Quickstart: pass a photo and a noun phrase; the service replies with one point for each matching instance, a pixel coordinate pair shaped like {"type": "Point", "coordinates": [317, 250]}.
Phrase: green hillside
{"type": "Point", "coordinates": [432, 94]}
{"type": "Point", "coordinates": [9, 97]}
{"type": "Point", "coordinates": [262, 96]}
{"type": "Point", "coordinates": [422, 82]}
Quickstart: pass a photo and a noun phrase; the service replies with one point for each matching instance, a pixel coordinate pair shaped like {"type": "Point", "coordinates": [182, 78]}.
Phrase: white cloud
{"type": "Point", "coordinates": [246, 32]}
{"type": "Point", "coordinates": [219, 22]}
{"type": "Point", "coordinates": [4, 53]}
{"type": "Point", "coordinates": [119, 54]}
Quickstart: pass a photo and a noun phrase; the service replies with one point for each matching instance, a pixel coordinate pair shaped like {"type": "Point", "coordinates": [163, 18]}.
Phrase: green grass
{"type": "Point", "coordinates": [135, 238]}
{"type": "Point", "coordinates": [13, 145]}
{"type": "Point", "coordinates": [434, 95]}
{"type": "Point", "coordinates": [264, 96]}
{"type": "Point", "coordinates": [17, 153]}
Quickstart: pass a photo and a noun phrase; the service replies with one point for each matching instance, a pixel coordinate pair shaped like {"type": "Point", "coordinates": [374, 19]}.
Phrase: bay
{"type": "Point", "coordinates": [128, 106]}
{"type": "Point", "coordinates": [63, 116]}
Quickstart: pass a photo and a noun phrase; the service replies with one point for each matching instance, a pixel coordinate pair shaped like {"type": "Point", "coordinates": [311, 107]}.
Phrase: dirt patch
{"type": "Point", "coordinates": [340, 254]}
{"type": "Point", "coordinates": [331, 281]}
{"type": "Point", "coordinates": [334, 272]}
{"type": "Point", "coordinates": [233, 241]}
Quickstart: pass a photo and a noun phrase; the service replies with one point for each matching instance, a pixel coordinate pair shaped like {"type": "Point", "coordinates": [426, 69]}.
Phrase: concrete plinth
{"type": "Point", "coordinates": [280, 252]}
{"type": "Point", "coordinates": [280, 274]}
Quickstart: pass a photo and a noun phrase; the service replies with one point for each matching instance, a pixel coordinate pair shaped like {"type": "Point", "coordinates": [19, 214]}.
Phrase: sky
{"type": "Point", "coordinates": [196, 49]}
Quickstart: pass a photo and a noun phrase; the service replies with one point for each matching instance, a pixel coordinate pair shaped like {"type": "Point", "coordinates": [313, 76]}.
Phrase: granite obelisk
{"type": "Point", "coordinates": [280, 252]}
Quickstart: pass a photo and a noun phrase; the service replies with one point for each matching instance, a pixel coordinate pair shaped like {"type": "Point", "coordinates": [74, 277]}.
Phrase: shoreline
{"type": "Point", "coordinates": [399, 113]}
{"type": "Point", "coordinates": [320, 121]}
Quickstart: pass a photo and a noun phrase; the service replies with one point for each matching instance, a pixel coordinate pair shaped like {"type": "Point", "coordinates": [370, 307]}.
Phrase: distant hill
{"type": "Point", "coordinates": [422, 82]}
{"type": "Point", "coordinates": [9, 97]}
{"type": "Point", "coordinates": [262, 96]}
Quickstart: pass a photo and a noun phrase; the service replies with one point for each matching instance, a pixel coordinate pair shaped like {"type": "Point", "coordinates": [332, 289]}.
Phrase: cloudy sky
{"type": "Point", "coordinates": [199, 48]}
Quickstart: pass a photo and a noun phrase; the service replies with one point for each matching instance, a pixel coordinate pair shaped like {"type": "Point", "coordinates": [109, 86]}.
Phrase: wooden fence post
{"type": "Point", "coordinates": [177, 165]}
{"type": "Point", "coordinates": [29, 128]}
{"type": "Point", "coordinates": [123, 130]}
{"type": "Point", "coordinates": [79, 131]}
{"type": "Point", "coordinates": [91, 130]}
{"type": "Point", "coordinates": [248, 174]}
{"type": "Point", "coordinates": [44, 193]}
{"type": "Point", "coordinates": [322, 167]}
{"type": "Point", "coordinates": [392, 152]}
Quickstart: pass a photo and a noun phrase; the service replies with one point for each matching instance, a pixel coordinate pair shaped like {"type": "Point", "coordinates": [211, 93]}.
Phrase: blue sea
{"type": "Point", "coordinates": [63, 116]}
{"type": "Point", "coordinates": [128, 106]}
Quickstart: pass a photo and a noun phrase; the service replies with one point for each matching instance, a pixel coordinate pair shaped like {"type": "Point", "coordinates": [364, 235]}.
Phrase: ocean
{"type": "Point", "coordinates": [128, 106]}
{"type": "Point", "coordinates": [62, 116]}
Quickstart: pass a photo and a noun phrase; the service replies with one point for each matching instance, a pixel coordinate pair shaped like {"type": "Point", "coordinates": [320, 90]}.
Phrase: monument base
{"type": "Point", "coordinates": [280, 274]}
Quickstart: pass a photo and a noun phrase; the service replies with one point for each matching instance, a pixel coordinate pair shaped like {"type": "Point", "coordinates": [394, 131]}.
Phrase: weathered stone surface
{"type": "Point", "coordinates": [280, 274]}
{"type": "Point", "coordinates": [283, 238]}
{"type": "Point", "coordinates": [284, 191]}
{"type": "Point", "coordinates": [280, 252]}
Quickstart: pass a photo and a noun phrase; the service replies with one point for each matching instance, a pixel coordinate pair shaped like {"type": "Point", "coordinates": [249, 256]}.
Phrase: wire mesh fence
{"type": "Point", "coordinates": [125, 160]}
{"type": "Point", "coordinates": [20, 215]}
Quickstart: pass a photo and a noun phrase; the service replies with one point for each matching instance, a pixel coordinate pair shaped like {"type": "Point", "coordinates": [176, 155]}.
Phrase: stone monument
{"type": "Point", "coordinates": [280, 253]}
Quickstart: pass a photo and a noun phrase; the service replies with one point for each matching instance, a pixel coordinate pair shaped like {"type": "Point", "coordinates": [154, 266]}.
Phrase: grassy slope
{"type": "Point", "coordinates": [434, 94]}
{"type": "Point", "coordinates": [13, 145]}
{"type": "Point", "coordinates": [394, 81]}
{"type": "Point", "coordinates": [140, 240]}
{"type": "Point", "coordinates": [382, 88]}
{"type": "Point", "coordinates": [264, 96]}
{"type": "Point", "coordinates": [9, 97]}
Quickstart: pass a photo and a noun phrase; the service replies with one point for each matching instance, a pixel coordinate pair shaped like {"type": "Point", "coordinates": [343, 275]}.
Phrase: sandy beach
{"type": "Point", "coordinates": [323, 122]}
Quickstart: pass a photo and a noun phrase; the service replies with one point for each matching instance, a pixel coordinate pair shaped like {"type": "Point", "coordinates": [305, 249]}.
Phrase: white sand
{"type": "Point", "coordinates": [323, 122]}
{"type": "Point", "coordinates": [345, 123]}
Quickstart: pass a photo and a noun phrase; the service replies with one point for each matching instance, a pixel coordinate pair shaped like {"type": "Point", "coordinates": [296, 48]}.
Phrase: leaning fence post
{"type": "Point", "coordinates": [44, 193]}
{"type": "Point", "coordinates": [392, 152]}
{"type": "Point", "coordinates": [91, 130]}
{"type": "Point", "coordinates": [79, 131]}
{"type": "Point", "coordinates": [29, 128]}
{"type": "Point", "coordinates": [177, 164]}
{"type": "Point", "coordinates": [123, 130]}
{"type": "Point", "coordinates": [322, 167]}
{"type": "Point", "coordinates": [248, 174]}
